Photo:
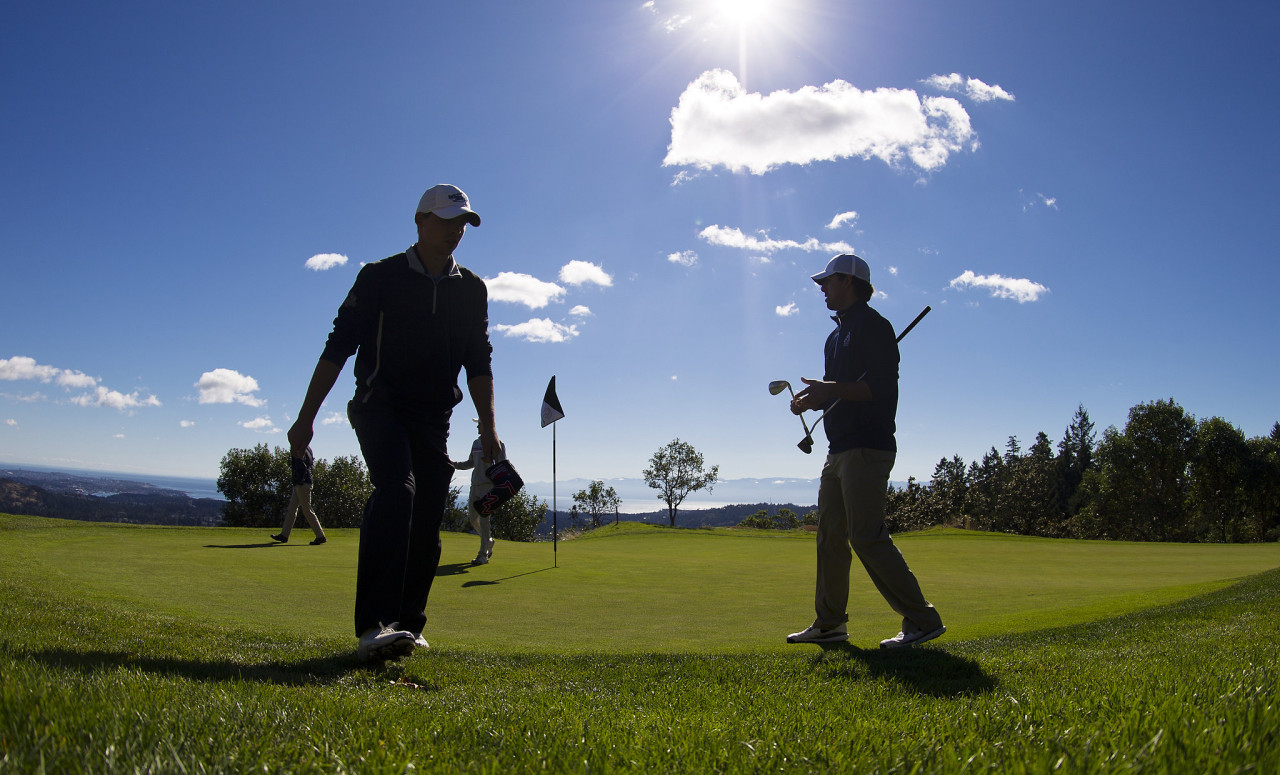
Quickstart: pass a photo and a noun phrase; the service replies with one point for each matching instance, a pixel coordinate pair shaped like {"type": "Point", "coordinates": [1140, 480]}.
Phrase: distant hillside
{"type": "Point", "coordinates": [165, 507]}
{"type": "Point", "coordinates": [723, 516]}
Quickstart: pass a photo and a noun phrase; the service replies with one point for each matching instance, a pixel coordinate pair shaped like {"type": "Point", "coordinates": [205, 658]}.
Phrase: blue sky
{"type": "Point", "coordinates": [1081, 191]}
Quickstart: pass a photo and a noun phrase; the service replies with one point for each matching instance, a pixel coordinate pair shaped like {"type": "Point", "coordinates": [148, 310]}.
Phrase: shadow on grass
{"type": "Point", "coordinates": [316, 671]}
{"type": "Point", "coordinates": [928, 671]}
{"type": "Point", "coordinates": [245, 546]}
{"type": "Point", "coordinates": [489, 583]}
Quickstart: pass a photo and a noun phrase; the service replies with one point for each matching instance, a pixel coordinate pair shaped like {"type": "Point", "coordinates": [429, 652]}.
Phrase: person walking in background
{"type": "Point", "coordinates": [861, 373]}
{"type": "Point", "coordinates": [300, 500]}
{"type": "Point", "coordinates": [414, 321]}
{"type": "Point", "coordinates": [480, 484]}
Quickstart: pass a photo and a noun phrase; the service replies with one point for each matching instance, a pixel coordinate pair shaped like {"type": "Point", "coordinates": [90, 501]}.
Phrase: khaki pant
{"type": "Point", "coordinates": [479, 523]}
{"type": "Point", "coordinates": [851, 502]}
{"type": "Point", "coordinates": [301, 501]}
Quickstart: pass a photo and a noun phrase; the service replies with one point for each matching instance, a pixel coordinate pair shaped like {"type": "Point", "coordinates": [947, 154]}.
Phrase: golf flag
{"type": "Point", "coordinates": [551, 410]}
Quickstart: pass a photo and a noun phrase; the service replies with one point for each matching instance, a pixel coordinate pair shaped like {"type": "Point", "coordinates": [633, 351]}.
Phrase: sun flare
{"type": "Point", "coordinates": [744, 12]}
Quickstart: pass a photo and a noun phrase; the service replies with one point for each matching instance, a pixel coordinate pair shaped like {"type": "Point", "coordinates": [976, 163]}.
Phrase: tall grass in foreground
{"type": "Point", "coordinates": [108, 687]}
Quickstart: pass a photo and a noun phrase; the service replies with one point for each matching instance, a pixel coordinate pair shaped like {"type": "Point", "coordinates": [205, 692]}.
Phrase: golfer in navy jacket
{"type": "Point", "coordinates": [861, 361]}
{"type": "Point", "coordinates": [414, 321]}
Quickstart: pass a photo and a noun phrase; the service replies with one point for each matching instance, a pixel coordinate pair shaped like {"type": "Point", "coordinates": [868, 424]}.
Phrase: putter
{"type": "Point", "coordinates": [806, 444]}
{"type": "Point", "coordinates": [779, 385]}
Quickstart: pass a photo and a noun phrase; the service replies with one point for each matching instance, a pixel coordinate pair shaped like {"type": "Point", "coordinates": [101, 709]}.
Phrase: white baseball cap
{"type": "Point", "coordinates": [447, 201]}
{"type": "Point", "coordinates": [845, 263]}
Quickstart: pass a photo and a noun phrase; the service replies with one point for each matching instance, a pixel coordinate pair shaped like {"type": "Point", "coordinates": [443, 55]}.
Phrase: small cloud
{"type": "Point", "coordinates": [731, 237]}
{"type": "Point", "coordinates": [260, 424]}
{"type": "Point", "coordinates": [539, 330]}
{"type": "Point", "coordinates": [523, 289]}
{"type": "Point", "coordinates": [322, 261]}
{"type": "Point", "coordinates": [1020, 290]}
{"type": "Point", "coordinates": [972, 88]}
{"type": "Point", "coordinates": [1031, 202]}
{"type": "Point", "coordinates": [186, 423]}
{"type": "Point", "coordinates": [226, 386]}
{"type": "Point", "coordinates": [684, 258]}
{"type": "Point", "coordinates": [118, 436]}
{"type": "Point", "coordinates": [580, 272]}
{"type": "Point", "coordinates": [335, 418]}
{"type": "Point", "coordinates": [893, 270]}
{"type": "Point", "coordinates": [114, 399]}
{"type": "Point", "coordinates": [75, 379]}
{"type": "Point", "coordinates": [842, 218]}
{"type": "Point", "coordinates": [674, 23]}
{"type": "Point", "coordinates": [787, 311]}
{"type": "Point", "coordinates": [12, 423]}
{"type": "Point", "coordinates": [674, 378]}
{"type": "Point", "coordinates": [580, 311]}
{"type": "Point", "coordinates": [21, 367]}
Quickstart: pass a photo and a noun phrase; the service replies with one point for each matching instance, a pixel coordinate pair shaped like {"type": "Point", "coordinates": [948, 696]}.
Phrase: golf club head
{"type": "Point", "coordinates": [806, 444]}
{"type": "Point", "coordinates": [779, 385]}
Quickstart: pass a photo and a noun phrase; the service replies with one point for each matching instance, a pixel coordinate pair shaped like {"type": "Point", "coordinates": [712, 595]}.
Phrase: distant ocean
{"type": "Point", "coordinates": [194, 487]}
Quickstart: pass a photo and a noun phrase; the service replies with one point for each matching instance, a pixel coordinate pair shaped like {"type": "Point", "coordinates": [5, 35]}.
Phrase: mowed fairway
{"type": "Point", "coordinates": [631, 588]}
{"type": "Point", "coordinates": [127, 649]}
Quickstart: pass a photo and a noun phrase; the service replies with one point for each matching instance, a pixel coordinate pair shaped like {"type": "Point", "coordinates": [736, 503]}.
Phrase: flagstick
{"type": "Point", "coordinates": [555, 514]}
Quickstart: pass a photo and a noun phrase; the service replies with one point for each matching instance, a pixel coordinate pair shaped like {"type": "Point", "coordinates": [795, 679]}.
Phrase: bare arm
{"type": "Point", "coordinates": [322, 381]}
{"type": "Point", "coordinates": [481, 389]}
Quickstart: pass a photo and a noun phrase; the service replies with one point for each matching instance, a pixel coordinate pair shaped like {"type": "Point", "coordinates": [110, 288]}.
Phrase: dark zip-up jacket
{"type": "Point", "coordinates": [412, 334]}
{"type": "Point", "coordinates": [863, 348]}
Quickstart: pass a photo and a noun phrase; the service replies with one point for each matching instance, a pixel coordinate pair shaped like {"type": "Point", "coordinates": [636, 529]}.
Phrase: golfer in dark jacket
{"type": "Point", "coordinates": [861, 359]}
{"type": "Point", "coordinates": [414, 321]}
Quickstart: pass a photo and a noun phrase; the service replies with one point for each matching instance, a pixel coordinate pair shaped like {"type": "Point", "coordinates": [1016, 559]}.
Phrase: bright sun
{"type": "Point", "coordinates": [744, 12]}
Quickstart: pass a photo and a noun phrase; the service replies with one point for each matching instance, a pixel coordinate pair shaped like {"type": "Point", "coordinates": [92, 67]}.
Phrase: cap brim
{"type": "Point", "coordinates": [453, 212]}
{"type": "Point", "coordinates": [820, 276]}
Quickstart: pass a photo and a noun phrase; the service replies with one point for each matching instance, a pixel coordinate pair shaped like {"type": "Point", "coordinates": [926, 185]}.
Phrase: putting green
{"type": "Point", "coordinates": [627, 588]}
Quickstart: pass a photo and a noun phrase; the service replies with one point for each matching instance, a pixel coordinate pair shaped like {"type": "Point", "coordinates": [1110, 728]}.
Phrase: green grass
{"type": "Point", "coordinates": [152, 649]}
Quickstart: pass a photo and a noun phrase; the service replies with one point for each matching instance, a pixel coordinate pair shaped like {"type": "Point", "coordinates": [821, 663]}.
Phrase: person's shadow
{"type": "Point", "coordinates": [246, 546]}
{"type": "Point", "coordinates": [328, 669]}
{"type": "Point", "coordinates": [929, 671]}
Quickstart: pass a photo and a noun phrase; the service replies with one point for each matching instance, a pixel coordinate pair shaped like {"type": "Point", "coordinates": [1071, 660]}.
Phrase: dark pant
{"type": "Point", "coordinates": [408, 460]}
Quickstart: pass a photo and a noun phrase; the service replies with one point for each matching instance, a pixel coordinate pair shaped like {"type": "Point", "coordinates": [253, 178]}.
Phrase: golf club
{"type": "Point", "coordinates": [779, 385]}
{"type": "Point", "coordinates": [806, 444]}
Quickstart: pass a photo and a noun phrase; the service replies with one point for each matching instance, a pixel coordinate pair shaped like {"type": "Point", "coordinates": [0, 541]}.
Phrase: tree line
{"type": "Point", "coordinates": [1165, 476]}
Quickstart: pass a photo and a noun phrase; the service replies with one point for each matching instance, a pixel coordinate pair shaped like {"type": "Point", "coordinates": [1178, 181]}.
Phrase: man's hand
{"type": "Point", "coordinates": [300, 434]}
{"type": "Point", "coordinates": [815, 395]}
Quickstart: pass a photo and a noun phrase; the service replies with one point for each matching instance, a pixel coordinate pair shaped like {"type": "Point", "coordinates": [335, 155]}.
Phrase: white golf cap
{"type": "Point", "coordinates": [845, 263]}
{"type": "Point", "coordinates": [447, 201]}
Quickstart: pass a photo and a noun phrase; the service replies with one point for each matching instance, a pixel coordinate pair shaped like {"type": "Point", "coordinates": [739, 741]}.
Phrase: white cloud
{"type": "Point", "coordinates": [335, 418]}
{"type": "Point", "coordinates": [893, 270]}
{"type": "Point", "coordinates": [539, 330]}
{"type": "Point", "coordinates": [684, 258]}
{"type": "Point", "coordinates": [970, 87]}
{"type": "Point", "coordinates": [322, 261]}
{"type": "Point", "coordinates": [20, 367]}
{"type": "Point", "coordinates": [523, 289]}
{"type": "Point", "coordinates": [718, 123]}
{"type": "Point", "coordinates": [23, 368]}
{"type": "Point", "coordinates": [842, 218]}
{"type": "Point", "coordinates": [186, 423]}
{"type": "Point", "coordinates": [580, 272]}
{"type": "Point", "coordinates": [787, 311]}
{"type": "Point", "coordinates": [12, 423]}
{"type": "Point", "coordinates": [261, 424]}
{"type": "Point", "coordinates": [118, 436]}
{"type": "Point", "coordinates": [1019, 290]}
{"type": "Point", "coordinates": [581, 311]}
{"type": "Point", "coordinates": [730, 237]}
{"type": "Point", "coordinates": [114, 399]}
{"type": "Point", "coordinates": [674, 23]}
{"type": "Point", "coordinates": [226, 386]}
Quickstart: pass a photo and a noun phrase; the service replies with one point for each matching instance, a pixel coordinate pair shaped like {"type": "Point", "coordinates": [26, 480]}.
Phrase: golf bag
{"type": "Point", "coordinates": [506, 483]}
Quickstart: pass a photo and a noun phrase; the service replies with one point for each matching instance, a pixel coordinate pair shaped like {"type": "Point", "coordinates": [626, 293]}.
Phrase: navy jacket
{"type": "Point", "coordinates": [863, 347]}
{"type": "Point", "coordinates": [411, 334]}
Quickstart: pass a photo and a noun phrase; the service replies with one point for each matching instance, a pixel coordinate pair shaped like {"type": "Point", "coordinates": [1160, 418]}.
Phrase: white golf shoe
{"type": "Point", "coordinates": [815, 634]}
{"type": "Point", "coordinates": [385, 642]}
{"type": "Point", "coordinates": [911, 637]}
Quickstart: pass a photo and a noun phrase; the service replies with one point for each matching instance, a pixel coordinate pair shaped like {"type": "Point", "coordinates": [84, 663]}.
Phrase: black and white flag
{"type": "Point", "coordinates": [551, 410]}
